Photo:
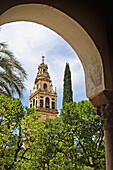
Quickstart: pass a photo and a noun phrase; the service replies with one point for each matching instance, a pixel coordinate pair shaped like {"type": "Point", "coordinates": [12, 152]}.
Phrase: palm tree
{"type": "Point", "coordinates": [12, 74]}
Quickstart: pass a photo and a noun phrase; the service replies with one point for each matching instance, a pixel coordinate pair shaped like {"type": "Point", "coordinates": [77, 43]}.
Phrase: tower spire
{"type": "Point", "coordinates": [42, 59]}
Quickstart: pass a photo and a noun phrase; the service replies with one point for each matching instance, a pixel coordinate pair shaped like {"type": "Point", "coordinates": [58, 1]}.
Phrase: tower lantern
{"type": "Point", "coordinates": [43, 98]}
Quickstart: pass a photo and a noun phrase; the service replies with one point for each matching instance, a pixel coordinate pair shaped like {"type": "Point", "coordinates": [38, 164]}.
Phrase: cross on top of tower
{"type": "Point", "coordinates": [42, 59]}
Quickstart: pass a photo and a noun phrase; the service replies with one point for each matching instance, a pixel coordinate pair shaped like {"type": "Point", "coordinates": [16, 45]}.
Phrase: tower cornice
{"type": "Point", "coordinates": [42, 79]}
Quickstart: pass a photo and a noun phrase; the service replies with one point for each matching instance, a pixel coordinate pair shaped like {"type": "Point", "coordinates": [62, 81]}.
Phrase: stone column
{"type": "Point", "coordinates": [105, 111]}
{"type": "Point", "coordinates": [44, 102]}
{"type": "Point", "coordinates": [38, 100]}
{"type": "Point", "coordinates": [56, 103]}
{"type": "Point", "coordinates": [50, 104]}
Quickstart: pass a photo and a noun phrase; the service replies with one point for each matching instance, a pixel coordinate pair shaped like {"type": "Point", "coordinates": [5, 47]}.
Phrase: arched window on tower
{"type": "Point", "coordinates": [47, 102]}
{"type": "Point", "coordinates": [41, 103]}
{"type": "Point", "coordinates": [53, 105]}
{"type": "Point", "coordinates": [33, 102]}
{"type": "Point", "coordinates": [45, 86]}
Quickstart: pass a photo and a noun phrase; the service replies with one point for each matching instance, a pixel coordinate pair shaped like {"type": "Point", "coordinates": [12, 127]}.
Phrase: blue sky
{"type": "Point", "coordinates": [29, 41]}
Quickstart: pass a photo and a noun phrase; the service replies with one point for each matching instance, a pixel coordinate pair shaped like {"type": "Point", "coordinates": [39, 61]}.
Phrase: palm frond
{"type": "Point", "coordinates": [12, 74]}
{"type": "Point", "coordinates": [5, 89]}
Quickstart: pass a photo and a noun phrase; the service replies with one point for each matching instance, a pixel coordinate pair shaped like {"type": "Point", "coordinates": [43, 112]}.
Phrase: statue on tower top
{"type": "Point", "coordinates": [42, 59]}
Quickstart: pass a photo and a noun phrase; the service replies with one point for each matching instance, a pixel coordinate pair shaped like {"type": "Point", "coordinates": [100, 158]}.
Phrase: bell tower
{"type": "Point", "coordinates": [43, 98]}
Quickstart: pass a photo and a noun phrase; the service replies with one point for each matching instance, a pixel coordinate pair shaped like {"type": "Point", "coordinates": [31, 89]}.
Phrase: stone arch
{"type": "Point", "coordinates": [45, 86]}
{"type": "Point", "coordinates": [41, 103]}
{"type": "Point", "coordinates": [53, 104]}
{"type": "Point", "coordinates": [71, 31]}
{"type": "Point", "coordinates": [47, 103]}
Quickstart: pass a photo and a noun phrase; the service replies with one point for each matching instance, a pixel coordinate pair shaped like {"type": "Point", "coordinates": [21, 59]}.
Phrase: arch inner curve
{"type": "Point", "coordinates": [71, 31]}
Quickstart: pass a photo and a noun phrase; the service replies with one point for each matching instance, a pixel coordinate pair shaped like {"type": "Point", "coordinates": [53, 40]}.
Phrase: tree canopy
{"type": "Point", "coordinates": [75, 140]}
{"type": "Point", "coordinates": [13, 117]}
{"type": "Point", "coordinates": [86, 127]}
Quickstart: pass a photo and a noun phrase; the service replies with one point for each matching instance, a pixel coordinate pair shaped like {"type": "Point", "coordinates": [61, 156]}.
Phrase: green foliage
{"type": "Point", "coordinates": [13, 117]}
{"type": "Point", "coordinates": [52, 147]}
{"type": "Point", "coordinates": [12, 74]}
{"type": "Point", "coordinates": [88, 134]}
{"type": "Point", "coordinates": [67, 87]}
{"type": "Point", "coordinates": [73, 141]}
